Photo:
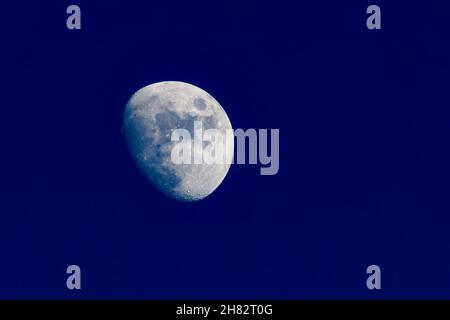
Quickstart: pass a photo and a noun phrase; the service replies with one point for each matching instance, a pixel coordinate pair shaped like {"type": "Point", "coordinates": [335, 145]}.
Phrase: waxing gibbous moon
{"type": "Point", "coordinates": [150, 116]}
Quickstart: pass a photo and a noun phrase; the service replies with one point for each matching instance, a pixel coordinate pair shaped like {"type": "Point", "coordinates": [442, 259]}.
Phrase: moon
{"type": "Point", "coordinates": [150, 116]}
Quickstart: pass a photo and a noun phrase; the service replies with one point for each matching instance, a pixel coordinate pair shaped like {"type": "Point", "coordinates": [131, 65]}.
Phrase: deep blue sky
{"type": "Point", "coordinates": [364, 159]}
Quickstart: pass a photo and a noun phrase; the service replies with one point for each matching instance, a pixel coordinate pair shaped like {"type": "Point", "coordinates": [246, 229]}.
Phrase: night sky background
{"type": "Point", "coordinates": [364, 150]}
